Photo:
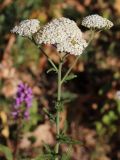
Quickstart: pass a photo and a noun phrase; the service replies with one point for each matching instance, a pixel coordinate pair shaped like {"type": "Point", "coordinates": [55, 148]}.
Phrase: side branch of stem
{"type": "Point", "coordinates": [51, 62]}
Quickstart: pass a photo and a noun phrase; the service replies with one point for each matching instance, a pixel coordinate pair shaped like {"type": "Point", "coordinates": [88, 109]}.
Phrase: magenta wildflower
{"type": "Point", "coordinates": [23, 101]}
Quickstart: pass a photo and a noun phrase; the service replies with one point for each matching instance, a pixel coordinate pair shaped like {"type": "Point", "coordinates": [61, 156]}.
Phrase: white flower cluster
{"type": "Point", "coordinates": [27, 28]}
{"type": "Point", "coordinates": [96, 21]}
{"type": "Point", "coordinates": [64, 34]}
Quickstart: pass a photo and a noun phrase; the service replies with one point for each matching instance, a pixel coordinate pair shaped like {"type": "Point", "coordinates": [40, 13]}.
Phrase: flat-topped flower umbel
{"type": "Point", "coordinates": [64, 34]}
{"type": "Point", "coordinates": [27, 28]}
{"type": "Point", "coordinates": [96, 21]}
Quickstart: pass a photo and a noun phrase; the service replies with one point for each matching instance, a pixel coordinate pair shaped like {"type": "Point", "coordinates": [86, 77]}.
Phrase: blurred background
{"type": "Point", "coordinates": [92, 109]}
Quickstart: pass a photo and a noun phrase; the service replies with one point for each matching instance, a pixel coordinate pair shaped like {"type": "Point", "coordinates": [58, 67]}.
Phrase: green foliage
{"type": "Point", "coordinates": [106, 124]}
{"type": "Point", "coordinates": [51, 70]}
{"type": "Point", "coordinates": [51, 116]}
{"type": "Point", "coordinates": [70, 77]}
{"type": "Point", "coordinates": [34, 117]}
{"type": "Point", "coordinates": [45, 157]}
{"type": "Point", "coordinates": [6, 151]}
{"type": "Point", "coordinates": [62, 138]}
{"type": "Point", "coordinates": [68, 96]}
{"type": "Point", "coordinates": [67, 154]}
{"type": "Point", "coordinates": [59, 105]}
{"type": "Point", "coordinates": [109, 118]}
{"type": "Point", "coordinates": [49, 155]}
{"type": "Point", "coordinates": [100, 129]}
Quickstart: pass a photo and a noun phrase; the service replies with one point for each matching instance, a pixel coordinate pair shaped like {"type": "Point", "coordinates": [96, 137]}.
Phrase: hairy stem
{"type": "Point", "coordinates": [58, 111]}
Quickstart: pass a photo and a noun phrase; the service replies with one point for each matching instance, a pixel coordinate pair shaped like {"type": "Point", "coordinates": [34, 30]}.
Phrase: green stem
{"type": "Point", "coordinates": [39, 47]}
{"type": "Point", "coordinates": [69, 70]}
{"type": "Point", "coordinates": [51, 62]}
{"type": "Point", "coordinates": [58, 111]}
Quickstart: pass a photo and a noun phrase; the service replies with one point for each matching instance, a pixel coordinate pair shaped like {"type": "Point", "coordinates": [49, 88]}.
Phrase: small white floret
{"type": "Point", "coordinates": [96, 21]}
{"type": "Point", "coordinates": [27, 28]}
{"type": "Point", "coordinates": [64, 34]}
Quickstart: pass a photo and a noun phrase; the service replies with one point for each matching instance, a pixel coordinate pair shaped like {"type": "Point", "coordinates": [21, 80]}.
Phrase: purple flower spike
{"type": "Point", "coordinates": [26, 114]}
{"type": "Point", "coordinates": [23, 101]}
